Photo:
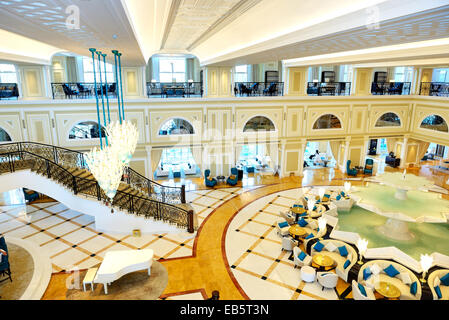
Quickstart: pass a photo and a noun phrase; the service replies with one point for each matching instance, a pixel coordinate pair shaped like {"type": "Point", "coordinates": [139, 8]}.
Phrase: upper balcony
{"type": "Point", "coordinates": [174, 89]}
{"type": "Point", "coordinates": [328, 88]}
{"type": "Point", "coordinates": [9, 91]}
{"type": "Point", "coordinates": [254, 89]}
{"type": "Point", "coordinates": [438, 89]}
{"type": "Point", "coordinates": [390, 88]}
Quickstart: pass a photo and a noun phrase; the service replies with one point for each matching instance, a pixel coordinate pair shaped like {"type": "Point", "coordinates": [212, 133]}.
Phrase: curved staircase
{"type": "Point", "coordinates": [136, 194]}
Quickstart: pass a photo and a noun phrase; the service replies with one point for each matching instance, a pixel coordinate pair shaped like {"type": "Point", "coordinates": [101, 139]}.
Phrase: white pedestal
{"type": "Point", "coordinates": [401, 194]}
{"type": "Point", "coordinates": [396, 230]}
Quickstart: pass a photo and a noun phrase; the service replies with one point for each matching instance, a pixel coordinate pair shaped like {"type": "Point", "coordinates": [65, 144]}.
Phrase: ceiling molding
{"type": "Point", "coordinates": [235, 12]}
{"type": "Point", "coordinates": [171, 19]}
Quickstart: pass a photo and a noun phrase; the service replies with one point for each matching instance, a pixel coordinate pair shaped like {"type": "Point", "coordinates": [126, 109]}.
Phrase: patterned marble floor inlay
{"type": "Point", "coordinates": [71, 240]}
{"type": "Point", "coordinates": [253, 250]}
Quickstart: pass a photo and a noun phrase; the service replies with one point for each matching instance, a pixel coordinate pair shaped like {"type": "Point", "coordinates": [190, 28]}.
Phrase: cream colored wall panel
{"type": "Point", "coordinates": [39, 128]}
{"type": "Point", "coordinates": [219, 125]}
{"type": "Point", "coordinates": [358, 118]}
{"type": "Point", "coordinates": [158, 118]}
{"type": "Point", "coordinates": [139, 165]}
{"type": "Point", "coordinates": [291, 161]}
{"type": "Point", "coordinates": [378, 110]}
{"type": "Point", "coordinates": [295, 120]}
{"type": "Point", "coordinates": [297, 78]}
{"type": "Point", "coordinates": [363, 78]}
{"type": "Point", "coordinates": [355, 155]}
{"type": "Point", "coordinates": [33, 82]}
{"type": "Point", "coordinates": [314, 113]}
{"type": "Point", "coordinates": [132, 86]}
{"type": "Point", "coordinates": [11, 124]}
{"type": "Point", "coordinates": [244, 115]}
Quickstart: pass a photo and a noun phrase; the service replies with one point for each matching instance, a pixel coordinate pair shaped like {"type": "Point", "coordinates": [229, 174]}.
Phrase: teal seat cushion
{"type": "Point", "coordinates": [366, 273]}
{"type": "Point", "coordinates": [302, 222]}
{"type": "Point", "coordinates": [302, 255]}
{"type": "Point", "coordinates": [438, 292]}
{"type": "Point", "coordinates": [338, 197]}
{"type": "Point", "coordinates": [362, 289]}
{"type": "Point", "coordinates": [347, 263]}
{"type": "Point", "coordinates": [445, 279]}
{"type": "Point", "coordinates": [283, 224]}
{"type": "Point", "coordinates": [310, 236]}
{"type": "Point", "coordinates": [414, 288]}
{"type": "Point", "coordinates": [318, 246]}
{"type": "Point", "coordinates": [343, 251]}
{"type": "Point", "coordinates": [391, 271]}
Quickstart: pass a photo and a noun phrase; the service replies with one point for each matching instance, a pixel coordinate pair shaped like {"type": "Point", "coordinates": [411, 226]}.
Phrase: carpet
{"type": "Point", "coordinates": [134, 286]}
{"type": "Point", "coordinates": [22, 269]}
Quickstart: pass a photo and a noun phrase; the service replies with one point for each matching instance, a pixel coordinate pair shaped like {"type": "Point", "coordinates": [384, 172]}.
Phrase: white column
{"type": "Point", "coordinates": [404, 152]}
{"type": "Point", "coordinates": [345, 159]}
{"type": "Point", "coordinates": [283, 164]}
{"type": "Point", "coordinates": [149, 165]}
{"type": "Point", "coordinates": [301, 157]}
{"type": "Point", "coordinates": [365, 150]}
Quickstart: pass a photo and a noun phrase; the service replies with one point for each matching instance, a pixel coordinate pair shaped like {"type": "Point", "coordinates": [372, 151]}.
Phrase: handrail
{"type": "Point", "coordinates": [72, 158]}
{"type": "Point", "coordinates": [273, 88]}
{"type": "Point", "coordinates": [68, 90]}
{"type": "Point", "coordinates": [440, 89]}
{"type": "Point", "coordinates": [174, 89]}
{"type": "Point", "coordinates": [328, 88]}
{"type": "Point", "coordinates": [149, 208]}
{"type": "Point", "coordinates": [390, 88]}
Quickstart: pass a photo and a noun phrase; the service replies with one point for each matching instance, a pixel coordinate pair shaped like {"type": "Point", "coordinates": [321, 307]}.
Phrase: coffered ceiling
{"type": "Point", "coordinates": [218, 32]}
{"type": "Point", "coordinates": [103, 25]}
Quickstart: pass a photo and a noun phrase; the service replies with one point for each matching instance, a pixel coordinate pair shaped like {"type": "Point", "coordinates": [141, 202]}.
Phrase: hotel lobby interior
{"type": "Point", "coordinates": [194, 150]}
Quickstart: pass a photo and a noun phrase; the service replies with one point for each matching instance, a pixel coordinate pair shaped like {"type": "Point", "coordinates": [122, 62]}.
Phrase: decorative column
{"type": "Point", "coordinates": [362, 82]}
{"type": "Point", "coordinates": [345, 158]}
{"type": "Point", "coordinates": [217, 82]}
{"type": "Point", "coordinates": [283, 164]}
{"type": "Point", "coordinates": [366, 140]}
{"type": "Point", "coordinates": [404, 152]}
{"type": "Point", "coordinates": [149, 165]}
{"type": "Point", "coordinates": [297, 81]}
{"type": "Point", "coordinates": [301, 157]}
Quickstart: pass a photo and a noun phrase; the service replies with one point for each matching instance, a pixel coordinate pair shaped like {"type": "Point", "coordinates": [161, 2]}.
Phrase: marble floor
{"type": "Point", "coordinates": [235, 251]}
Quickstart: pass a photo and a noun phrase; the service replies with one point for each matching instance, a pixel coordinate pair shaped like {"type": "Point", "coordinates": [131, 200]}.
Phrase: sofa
{"type": "Point", "coordinates": [392, 161]}
{"type": "Point", "coordinates": [331, 249]}
{"type": "Point", "coordinates": [375, 272]}
{"type": "Point", "coordinates": [434, 280]}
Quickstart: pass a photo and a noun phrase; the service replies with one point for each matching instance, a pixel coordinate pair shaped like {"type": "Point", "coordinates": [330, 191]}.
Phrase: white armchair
{"type": "Point", "coordinates": [288, 243]}
{"type": "Point", "coordinates": [298, 263]}
{"type": "Point", "coordinates": [327, 279]}
{"type": "Point", "coordinates": [288, 217]}
{"type": "Point", "coordinates": [357, 295]}
{"type": "Point", "coordinates": [434, 279]}
{"type": "Point", "coordinates": [282, 231]}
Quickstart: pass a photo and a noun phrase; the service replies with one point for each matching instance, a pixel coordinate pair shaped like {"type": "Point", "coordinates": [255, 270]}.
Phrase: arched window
{"type": "Point", "coordinates": [389, 119]}
{"type": "Point", "coordinates": [259, 123]}
{"type": "Point", "coordinates": [86, 130]}
{"type": "Point", "coordinates": [4, 136]}
{"type": "Point", "coordinates": [176, 126]}
{"type": "Point", "coordinates": [327, 121]}
{"type": "Point", "coordinates": [434, 122]}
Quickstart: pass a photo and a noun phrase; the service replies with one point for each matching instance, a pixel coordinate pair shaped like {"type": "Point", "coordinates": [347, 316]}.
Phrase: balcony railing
{"type": "Point", "coordinates": [440, 89]}
{"type": "Point", "coordinates": [81, 90]}
{"type": "Point", "coordinates": [390, 88]}
{"type": "Point", "coordinates": [242, 89]}
{"type": "Point", "coordinates": [9, 90]}
{"type": "Point", "coordinates": [328, 88]}
{"type": "Point", "coordinates": [174, 89]}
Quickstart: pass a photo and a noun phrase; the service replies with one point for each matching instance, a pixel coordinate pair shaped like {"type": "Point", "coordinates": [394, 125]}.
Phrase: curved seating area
{"type": "Point", "coordinates": [336, 250]}
{"type": "Point", "coordinates": [375, 271]}
{"type": "Point", "coordinates": [439, 279]}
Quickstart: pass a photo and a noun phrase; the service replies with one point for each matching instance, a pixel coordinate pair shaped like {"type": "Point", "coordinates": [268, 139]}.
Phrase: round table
{"type": "Point", "coordinates": [323, 262]}
{"type": "Point", "coordinates": [296, 231]}
{"type": "Point", "coordinates": [297, 211]}
{"type": "Point", "coordinates": [387, 290]}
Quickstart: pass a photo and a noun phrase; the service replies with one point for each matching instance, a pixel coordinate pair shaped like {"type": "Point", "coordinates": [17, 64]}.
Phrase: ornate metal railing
{"type": "Point", "coordinates": [440, 89]}
{"type": "Point", "coordinates": [9, 90]}
{"type": "Point", "coordinates": [174, 89]}
{"type": "Point", "coordinates": [328, 88]}
{"type": "Point", "coordinates": [242, 89]}
{"type": "Point", "coordinates": [390, 88]}
{"type": "Point", "coordinates": [17, 156]}
{"type": "Point", "coordinates": [81, 90]}
{"type": "Point", "coordinates": [74, 159]}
